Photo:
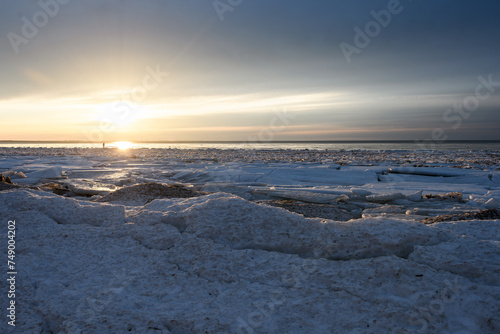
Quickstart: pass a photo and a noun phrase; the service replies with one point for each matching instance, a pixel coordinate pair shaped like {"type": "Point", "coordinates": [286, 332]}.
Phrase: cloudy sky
{"type": "Point", "coordinates": [248, 69]}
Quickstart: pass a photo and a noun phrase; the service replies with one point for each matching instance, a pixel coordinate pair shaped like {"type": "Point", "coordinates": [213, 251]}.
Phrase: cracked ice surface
{"type": "Point", "coordinates": [221, 264]}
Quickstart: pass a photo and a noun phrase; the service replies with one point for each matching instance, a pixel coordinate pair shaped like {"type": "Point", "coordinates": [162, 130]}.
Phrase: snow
{"type": "Point", "coordinates": [224, 261]}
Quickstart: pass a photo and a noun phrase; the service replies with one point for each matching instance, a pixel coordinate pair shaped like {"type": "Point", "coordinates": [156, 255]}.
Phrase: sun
{"type": "Point", "coordinates": [122, 145]}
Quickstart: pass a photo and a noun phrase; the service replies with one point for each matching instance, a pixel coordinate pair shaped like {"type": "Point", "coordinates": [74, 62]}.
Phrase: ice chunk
{"type": "Point", "coordinates": [415, 197]}
{"type": "Point", "coordinates": [64, 210]}
{"type": "Point", "coordinates": [360, 192]}
{"type": "Point", "coordinates": [491, 204]}
{"type": "Point", "coordinates": [384, 198]}
{"type": "Point", "coordinates": [244, 225]}
{"type": "Point", "coordinates": [48, 173]}
{"type": "Point", "coordinates": [88, 188]}
{"type": "Point", "coordinates": [192, 176]}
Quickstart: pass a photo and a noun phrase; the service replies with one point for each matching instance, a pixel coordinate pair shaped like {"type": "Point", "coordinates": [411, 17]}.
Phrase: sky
{"type": "Point", "coordinates": [249, 70]}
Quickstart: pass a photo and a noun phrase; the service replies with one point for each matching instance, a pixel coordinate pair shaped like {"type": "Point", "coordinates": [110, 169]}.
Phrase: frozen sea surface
{"type": "Point", "coordinates": [356, 181]}
{"type": "Point", "coordinates": [224, 261]}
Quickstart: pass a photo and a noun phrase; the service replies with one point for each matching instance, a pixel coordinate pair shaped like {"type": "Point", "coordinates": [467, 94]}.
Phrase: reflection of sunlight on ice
{"type": "Point", "coordinates": [122, 145]}
{"type": "Point", "coordinates": [118, 177]}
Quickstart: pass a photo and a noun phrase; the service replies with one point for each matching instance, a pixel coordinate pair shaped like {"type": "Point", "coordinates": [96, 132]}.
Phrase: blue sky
{"type": "Point", "coordinates": [192, 70]}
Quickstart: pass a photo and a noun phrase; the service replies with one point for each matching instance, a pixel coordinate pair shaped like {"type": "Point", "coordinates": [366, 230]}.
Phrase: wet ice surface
{"type": "Point", "coordinates": [225, 262]}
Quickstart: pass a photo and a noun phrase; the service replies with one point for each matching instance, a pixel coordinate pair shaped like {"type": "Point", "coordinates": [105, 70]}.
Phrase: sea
{"type": "Point", "coordinates": [327, 145]}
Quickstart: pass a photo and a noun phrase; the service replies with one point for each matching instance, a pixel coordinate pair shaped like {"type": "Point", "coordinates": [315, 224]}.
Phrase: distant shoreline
{"type": "Point", "coordinates": [257, 142]}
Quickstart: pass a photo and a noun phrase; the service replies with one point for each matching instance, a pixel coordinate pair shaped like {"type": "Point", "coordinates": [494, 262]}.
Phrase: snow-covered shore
{"type": "Point", "coordinates": [220, 260]}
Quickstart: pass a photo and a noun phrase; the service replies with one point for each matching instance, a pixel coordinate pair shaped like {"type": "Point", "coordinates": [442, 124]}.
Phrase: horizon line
{"type": "Point", "coordinates": [249, 142]}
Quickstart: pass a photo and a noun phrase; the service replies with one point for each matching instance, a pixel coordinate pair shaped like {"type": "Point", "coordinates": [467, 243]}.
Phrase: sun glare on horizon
{"type": "Point", "coordinates": [122, 145]}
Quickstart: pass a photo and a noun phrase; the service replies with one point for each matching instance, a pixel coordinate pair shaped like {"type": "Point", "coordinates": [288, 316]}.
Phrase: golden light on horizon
{"type": "Point", "coordinates": [122, 145]}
